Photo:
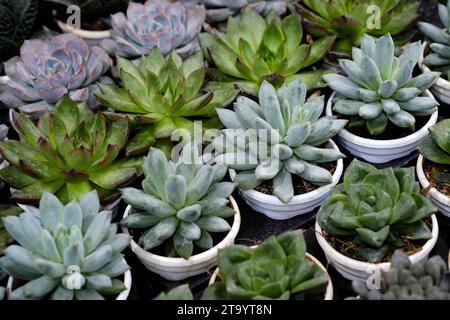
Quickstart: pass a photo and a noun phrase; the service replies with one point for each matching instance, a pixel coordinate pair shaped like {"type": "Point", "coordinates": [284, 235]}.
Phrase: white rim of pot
{"type": "Point", "coordinates": [195, 259]}
{"type": "Point", "coordinates": [384, 144]}
{"type": "Point", "coordinates": [367, 266]}
{"type": "Point", "coordinates": [301, 198]}
{"type": "Point", "coordinates": [86, 34]}
{"type": "Point", "coordinates": [425, 183]}
{"type": "Point", "coordinates": [121, 296]}
{"type": "Point", "coordinates": [328, 293]}
{"type": "Point", "coordinates": [441, 82]}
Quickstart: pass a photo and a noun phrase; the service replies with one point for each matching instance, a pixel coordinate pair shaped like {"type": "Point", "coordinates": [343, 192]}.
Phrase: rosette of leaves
{"type": "Point", "coordinates": [67, 252]}
{"type": "Point", "coordinates": [70, 152]}
{"type": "Point", "coordinates": [163, 24]}
{"type": "Point", "coordinates": [162, 95]}
{"type": "Point", "coordinates": [379, 87]}
{"type": "Point", "coordinates": [17, 21]}
{"type": "Point", "coordinates": [255, 49]}
{"type": "Point", "coordinates": [349, 20]}
{"type": "Point", "coordinates": [377, 210]}
{"type": "Point", "coordinates": [50, 68]}
{"type": "Point", "coordinates": [439, 58]}
{"type": "Point", "coordinates": [277, 269]}
{"type": "Point", "coordinates": [280, 137]}
{"type": "Point", "coordinates": [93, 8]}
{"type": "Point", "coordinates": [181, 203]}
{"type": "Point", "coordinates": [427, 280]}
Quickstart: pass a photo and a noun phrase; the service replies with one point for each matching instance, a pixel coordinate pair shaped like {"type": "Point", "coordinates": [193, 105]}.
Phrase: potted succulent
{"type": "Point", "coordinates": [67, 252]}
{"type": "Point", "coordinates": [281, 148]}
{"type": "Point", "coordinates": [94, 15]}
{"type": "Point", "coordinates": [69, 153]}
{"type": "Point", "coordinates": [426, 280]}
{"type": "Point", "coordinates": [433, 166]}
{"type": "Point", "coordinates": [390, 111]}
{"type": "Point", "coordinates": [179, 293]}
{"type": "Point", "coordinates": [161, 96]}
{"type": "Point", "coordinates": [349, 20]}
{"type": "Point", "coordinates": [163, 24]}
{"type": "Point", "coordinates": [255, 49]}
{"type": "Point", "coordinates": [49, 68]}
{"type": "Point", "coordinates": [372, 213]}
{"type": "Point", "coordinates": [439, 58]}
{"type": "Point", "coordinates": [279, 268]}
{"type": "Point", "coordinates": [173, 217]}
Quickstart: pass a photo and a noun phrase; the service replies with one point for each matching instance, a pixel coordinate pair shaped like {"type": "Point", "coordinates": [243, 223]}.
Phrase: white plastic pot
{"type": "Point", "coordinates": [85, 34]}
{"type": "Point", "coordinates": [328, 293]}
{"type": "Point", "coordinates": [122, 296]}
{"type": "Point", "coordinates": [382, 151]}
{"type": "Point", "coordinates": [352, 269]}
{"type": "Point", "coordinates": [177, 269]}
{"type": "Point", "coordinates": [441, 88]}
{"type": "Point", "coordinates": [301, 204]}
{"type": "Point", "coordinates": [439, 199]}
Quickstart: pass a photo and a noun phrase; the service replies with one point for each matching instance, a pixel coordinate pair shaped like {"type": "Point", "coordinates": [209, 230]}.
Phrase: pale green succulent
{"type": "Point", "coordinates": [67, 252]}
{"type": "Point", "coordinates": [281, 136]}
{"type": "Point", "coordinates": [439, 59]}
{"type": "Point", "coordinates": [380, 87]}
{"type": "Point", "coordinates": [181, 204]}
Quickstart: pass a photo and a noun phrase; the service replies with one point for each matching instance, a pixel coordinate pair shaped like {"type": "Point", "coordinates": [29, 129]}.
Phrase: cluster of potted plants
{"type": "Point", "coordinates": [178, 110]}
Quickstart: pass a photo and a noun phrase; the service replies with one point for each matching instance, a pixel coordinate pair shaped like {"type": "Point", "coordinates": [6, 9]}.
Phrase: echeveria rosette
{"type": "Point", "coordinates": [66, 252]}
{"type": "Point", "coordinates": [439, 58]}
{"type": "Point", "coordinates": [378, 209]}
{"type": "Point", "coordinates": [424, 280]}
{"type": "Point", "coordinates": [255, 49]}
{"type": "Point", "coordinates": [281, 136]}
{"type": "Point", "coordinates": [70, 152]}
{"type": "Point", "coordinates": [379, 87]}
{"type": "Point", "coordinates": [162, 95]}
{"type": "Point", "coordinates": [436, 146]}
{"type": "Point", "coordinates": [349, 20]}
{"type": "Point", "coordinates": [161, 24]}
{"type": "Point", "coordinates": [277, 269]}
{"type": "Point", "coordinates": [181, 203]}
{"type": "Point", "coordinates": [48, 69]}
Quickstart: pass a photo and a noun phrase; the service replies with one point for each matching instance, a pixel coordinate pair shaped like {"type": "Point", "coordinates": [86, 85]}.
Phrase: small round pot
{"type": "Point", "coordinates": [177, 269]}
{"type": "Point", "coordinates": [301, 204]}
{"type": "Point", "coordinates": [441, 89]}
{"type": "Point", "coordinates": [382, 151]}
{"type": "Point", "coordinates": [122, 296]}
{"type": "Point", "coordinates": [85, 34]}
{"type": "Point", "coordinates": [328, 293]}
{"type": "Point", "coordinates": [355, 270]}
{"type": "Point", "coordinates": [439, 199]}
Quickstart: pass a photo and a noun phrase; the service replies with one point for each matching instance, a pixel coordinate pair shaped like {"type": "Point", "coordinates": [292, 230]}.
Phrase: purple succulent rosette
{"type": "Point", "coordinates": [156, 23]}
{"type": "Point", "coordinates": [48, 69]}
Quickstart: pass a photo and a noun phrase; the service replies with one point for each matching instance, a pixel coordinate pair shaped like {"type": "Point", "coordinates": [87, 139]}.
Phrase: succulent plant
{"type": "Point", "coordinates": [163, 95]}
{"type": "Point", "coordinates": [220, 10]}
{"type": "Point", "coordinates": [281, 137]}
{"type": "Point", "coordinates": [48, 69]}
{"type": "Point", "coordinates": [67, 252]}
{"type": "Point", "coordinates": [69, 153]}
{"type": "Point", "coordinates": [256, 49]}
{"type": "Point", "coordinates": [182, 292]}
{"type": "Point", "coordinates": [17, 20]}
{"type": "Point", "coordinates": [439, 59]}
{"type": "Point", "coordinates": [436, 147]}
{"type": "Point", "coordinates": [94, 8]}
{"type": "Point", "coordinates": [349, 20]}
{"type": "Point", "coordinates": [5, 238]}
{"type": "Point", "coordinates": [277, 269]}
{"type": "Point", "coordinates": [158, 24]}
{"type": "Point", "coordinates": [377, 210]}
{"type": "Point", "coordinates": [426, 280]}
{"type": "Point", "coordinates": [379, 87]}
{"type": "Point", "coordinates": [181, 203]}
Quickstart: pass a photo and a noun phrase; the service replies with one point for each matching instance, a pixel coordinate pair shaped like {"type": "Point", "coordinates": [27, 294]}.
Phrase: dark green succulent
{"type": "Point", "coordinates": [427, 280]}
{"type": "Point", "coordinates": [377, 210]}
{"type": "Point", "coordinates": [277, 269]}
{"type": "Point", "coordinates": [182, 292]}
